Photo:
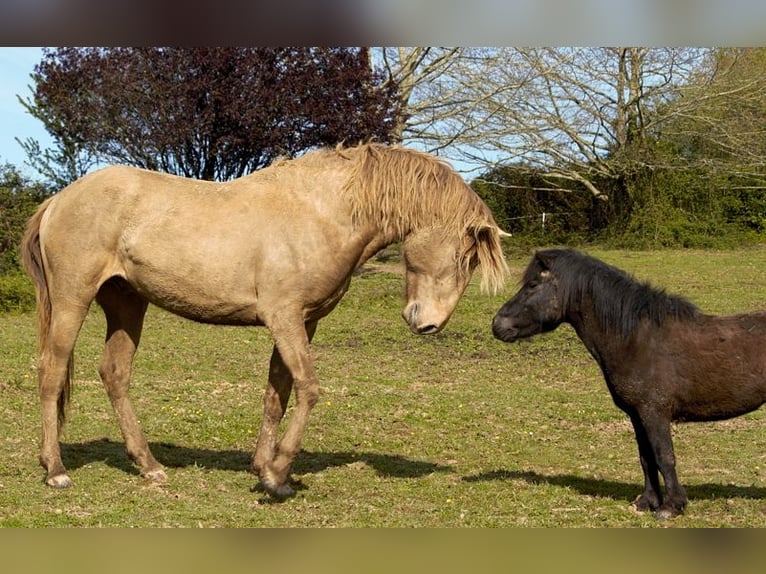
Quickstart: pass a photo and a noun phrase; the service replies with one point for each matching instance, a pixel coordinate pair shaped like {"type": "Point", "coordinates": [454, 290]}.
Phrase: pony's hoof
{"type": "Point", "coordinates": [643, 504]}
{"type": "Point", "coordinates": [666, 513]}
{"type": "Point", "coordinates": [59, 481]}
{"type": "Point", "coordinates": [156, 476]}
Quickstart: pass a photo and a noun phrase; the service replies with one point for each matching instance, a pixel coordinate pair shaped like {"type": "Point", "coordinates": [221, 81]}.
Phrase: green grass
{"type": "Point", "coordinates": [456, 429]}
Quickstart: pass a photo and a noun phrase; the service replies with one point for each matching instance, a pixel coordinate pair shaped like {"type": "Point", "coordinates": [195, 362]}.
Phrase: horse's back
{"type": "Point", "coordinates": [716, 366]}
{"type": "Point", "coordinates": [205, 250]}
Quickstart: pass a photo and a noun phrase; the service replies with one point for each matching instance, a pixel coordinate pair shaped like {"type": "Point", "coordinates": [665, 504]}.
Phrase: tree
{"type": "Point", "coordinates": [670, 135]}
{"type": "Point", "coordinates": [579, 114]}
{"type": "Point", "coordinates": [420, 75]}
{"type": "Point", "coordinates": [726, 129]}
{"type": "Point", "coordinates": [208, 113]}
{"type": "Point", "coordinates": [721, 139]}
{"type": "Point", "coordinates": [574, 114]}
{"type": "Point", "coordinates": [439, 94]}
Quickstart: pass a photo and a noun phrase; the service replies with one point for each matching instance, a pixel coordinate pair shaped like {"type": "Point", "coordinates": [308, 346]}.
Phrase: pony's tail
{"type": "Point", "coordinates": [32, 262]}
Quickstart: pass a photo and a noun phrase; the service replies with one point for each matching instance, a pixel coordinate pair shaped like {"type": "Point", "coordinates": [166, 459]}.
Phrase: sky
{"type": "Point", "coordinates": [534, 22]}
{"type": "Point", "coordinates": [16, 64]}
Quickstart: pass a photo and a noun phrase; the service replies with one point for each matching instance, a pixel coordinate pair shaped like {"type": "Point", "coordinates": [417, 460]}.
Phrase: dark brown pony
{"type": "Point", "coordinates": [276, 248]}
{"type": "Point", "coordinates": [662, 358]}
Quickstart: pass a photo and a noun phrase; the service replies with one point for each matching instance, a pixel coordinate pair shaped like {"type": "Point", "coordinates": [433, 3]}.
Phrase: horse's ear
{"type": "Point", "coordinates": [487, 251]}
{"type": "Point", "coordinates": [485, 232]}
{"type": "Point", "coordinates": [545, 259]}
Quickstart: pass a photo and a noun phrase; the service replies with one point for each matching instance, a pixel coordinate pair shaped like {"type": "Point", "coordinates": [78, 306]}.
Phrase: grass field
{"type": "Point", "coordinates": [451, 430]}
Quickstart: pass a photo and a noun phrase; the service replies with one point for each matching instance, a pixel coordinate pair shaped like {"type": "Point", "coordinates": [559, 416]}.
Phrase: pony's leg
{"type": "Point", "coordinates": [54, 374]}
{"type": "Point", "coordinates": [290, 366]}
{"type": "Point", "coordinates": [658, 432]}
{"type": "Point", "coordinates": [651, 498]}
{"type": "Point", "coordinates": [125, 310]}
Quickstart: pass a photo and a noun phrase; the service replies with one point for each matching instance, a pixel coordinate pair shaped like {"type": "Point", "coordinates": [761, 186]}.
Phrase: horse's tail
{"type": "Point", "coordinates": [32, 262]}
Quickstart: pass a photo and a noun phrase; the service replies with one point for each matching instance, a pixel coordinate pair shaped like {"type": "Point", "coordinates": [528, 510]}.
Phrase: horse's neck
{"type": "Point", "coordinates": [604, 345]}
{"type": "Point", "coordinates": [375, 245]}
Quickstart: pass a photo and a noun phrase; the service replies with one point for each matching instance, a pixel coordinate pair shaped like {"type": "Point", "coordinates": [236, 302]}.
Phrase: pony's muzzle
{"type": "Point", "coordinates": [413, 316]}
{"type": "Point", "coordinates": [504, 330]}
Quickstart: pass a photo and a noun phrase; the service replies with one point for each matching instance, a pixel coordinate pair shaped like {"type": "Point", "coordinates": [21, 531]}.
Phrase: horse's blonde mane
{"type": "Point", "coordinates": [402, 190]}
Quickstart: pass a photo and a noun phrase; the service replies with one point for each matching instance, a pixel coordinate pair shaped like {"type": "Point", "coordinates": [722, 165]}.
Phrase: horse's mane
{"type": "Point", "coordinates": [619, 301]}
{"type": "Point", "coordinates": [401, 190]}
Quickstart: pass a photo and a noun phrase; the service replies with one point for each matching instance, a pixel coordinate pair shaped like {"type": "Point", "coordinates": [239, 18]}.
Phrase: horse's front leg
{"type": "Point", "coordinates": [651, 498]}
{"type": "Point", "coordinates": [659, 435]}
{"type": "Point", "coordinates": [290, 366]}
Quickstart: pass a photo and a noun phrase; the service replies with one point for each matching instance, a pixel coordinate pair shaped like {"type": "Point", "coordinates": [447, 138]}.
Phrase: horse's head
{"type": "Point", "coordinates": [436, 279]}
{"type": "Point", "coordinates": [439, 265]}
{"type": "Point", "coordinates": [447, 229]}
{"type": "Point", "coordinates": [536, 308]}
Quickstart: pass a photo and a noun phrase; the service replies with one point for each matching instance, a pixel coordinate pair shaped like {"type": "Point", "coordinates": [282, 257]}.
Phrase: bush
{"type": "Point", "coordinates": [17, 294]}
{"type": "Point", "coordinates": [647, 209]}
{"type": "Point", "coordinates": [19, 199]}
{"type": "Point", "coordinates": [536, 213]}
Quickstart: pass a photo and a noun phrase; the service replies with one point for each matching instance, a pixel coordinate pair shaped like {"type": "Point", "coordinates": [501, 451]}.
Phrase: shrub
{"type": "Point", "coordinates": [17, 294]}
{"type": "Point", "coordinates": [19, 199]}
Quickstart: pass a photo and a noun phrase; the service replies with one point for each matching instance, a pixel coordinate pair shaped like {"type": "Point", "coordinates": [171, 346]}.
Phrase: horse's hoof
{"type": "Point", "coordinates": [156, 476]}
{"type": "Point", "coordinates": [643, 504]}
{"type": "Point", "coordinates": [282, 491]}
{"type": "Point", "coordinates": [59, 481]}
{"type": "Point", "coordinates": [667, 513]}
{"type": "Point", "coordinates": [278, 489]}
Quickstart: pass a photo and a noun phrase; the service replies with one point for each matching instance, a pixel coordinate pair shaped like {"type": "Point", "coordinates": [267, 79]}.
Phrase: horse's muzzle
{"type": "Point", "coordinates": [503, 329]}
{"type": "Point", "coordinates": [412, 316]}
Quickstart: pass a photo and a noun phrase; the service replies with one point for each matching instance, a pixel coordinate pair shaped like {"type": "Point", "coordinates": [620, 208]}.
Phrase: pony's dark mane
{"type": "Point", "coordinates": [620, 302]}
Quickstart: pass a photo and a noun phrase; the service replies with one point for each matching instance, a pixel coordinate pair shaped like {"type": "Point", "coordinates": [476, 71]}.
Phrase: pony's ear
{"type": "Point", "coordinates": [545, 259]}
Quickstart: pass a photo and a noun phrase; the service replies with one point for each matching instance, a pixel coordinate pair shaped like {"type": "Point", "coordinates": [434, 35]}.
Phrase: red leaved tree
{"type": "Point", "coordinates": [207, 113]}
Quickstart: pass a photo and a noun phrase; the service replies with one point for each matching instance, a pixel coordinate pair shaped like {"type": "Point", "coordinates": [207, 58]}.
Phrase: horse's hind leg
{"type": "Point", "coordinates": [54, 381]}
{"type": "Point", "coordinates": [125, 311]}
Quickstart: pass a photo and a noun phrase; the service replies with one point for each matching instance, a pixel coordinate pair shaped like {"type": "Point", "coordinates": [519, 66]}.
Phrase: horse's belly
{"type": "Point", "coordinates": [206, 310]}
{"type": "Point", "coordinates": [205, 295]}
{"type": "Point", "coordinates": [713, 398]}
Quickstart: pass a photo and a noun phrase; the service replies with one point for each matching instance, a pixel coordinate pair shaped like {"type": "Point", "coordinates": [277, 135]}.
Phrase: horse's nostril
{"type": "Point", "coordinates": [410, 314]}
{"type": "Point", "coordinates": [504, 330]}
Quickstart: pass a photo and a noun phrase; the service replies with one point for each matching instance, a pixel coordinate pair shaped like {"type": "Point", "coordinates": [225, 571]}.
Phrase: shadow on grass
{"type": "Point", "coordinates": [624, 491]}
{"type": "Point", "coordinates": [111, 452]}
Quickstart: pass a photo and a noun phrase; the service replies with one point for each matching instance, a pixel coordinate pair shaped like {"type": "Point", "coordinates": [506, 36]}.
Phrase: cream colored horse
{"type": "Point", "coordinates": [275, 248]}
